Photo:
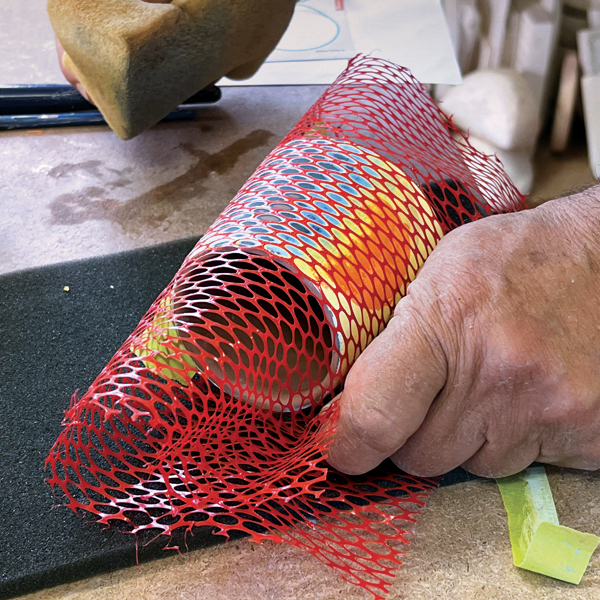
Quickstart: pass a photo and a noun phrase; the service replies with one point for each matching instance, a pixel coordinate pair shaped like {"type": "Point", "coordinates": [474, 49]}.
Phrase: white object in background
{"type": "Point", "coordinates": [593, 18]}
{"type": "Point", "coordinates": [588, 46]}
{"type": "Point", "coordinates": [511, 38]}
{"type": "Point", "coordinates": [498, 106]}
{"type": "Point", "coordinates": [590, 91]}
{"type": "Point", "coordinates": [470, 32]}
{"type": "Point", "coordinates": [517, 163]}
{"type": "Point", "coordinates": [494, 15]}
{"type": "Point", "coordinates": [464, 26]}
{"type": "Point", "coordinates": [451, 11]}
{"type": "Point", "coordinates": [485, 53]}
{"type": "Point", "coordinates": [536, 42]}
{"type": "Point", "coordinates": [568, 89]}
{"type": "Point", "coordinates": [412, 33]}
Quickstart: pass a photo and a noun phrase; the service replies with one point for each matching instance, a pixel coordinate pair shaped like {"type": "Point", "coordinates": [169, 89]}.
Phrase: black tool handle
{"type": "Point", "coordinates": [45, 99]}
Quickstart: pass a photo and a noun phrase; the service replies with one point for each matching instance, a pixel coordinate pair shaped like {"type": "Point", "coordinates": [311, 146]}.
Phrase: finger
{"type": "Point", "coordinates": [69, 75]}
{"type": "Point", "coordinates": [449, 436]}
{"type": "Point", "coordinates": [388, 392]}
{"type": "Point", "coordinates": [455, 426]}
{"type": "Point", "coordinates": [491, 461]}
{"type": "Point", "coordinates": [586, 457]}
{"type": "Point", "coordinates": [575, 462]}
{"type": "Point", "coordinates": [491, 431]}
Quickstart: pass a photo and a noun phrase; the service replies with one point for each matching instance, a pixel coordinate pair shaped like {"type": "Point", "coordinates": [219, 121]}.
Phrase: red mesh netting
{"type": "Point", "coordinates": [210, 413]}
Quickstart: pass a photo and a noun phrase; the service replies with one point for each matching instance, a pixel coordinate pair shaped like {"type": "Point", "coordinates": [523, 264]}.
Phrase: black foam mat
{"type": "Point", "coordinates": [53, 342]}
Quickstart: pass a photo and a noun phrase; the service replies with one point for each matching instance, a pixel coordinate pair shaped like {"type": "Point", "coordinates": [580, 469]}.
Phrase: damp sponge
{"type": "Point", "coordinates": [139, 60]}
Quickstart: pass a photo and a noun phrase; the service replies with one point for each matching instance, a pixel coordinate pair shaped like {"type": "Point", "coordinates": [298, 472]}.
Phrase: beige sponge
{"type": "Point", "coordinates": [139, 60]}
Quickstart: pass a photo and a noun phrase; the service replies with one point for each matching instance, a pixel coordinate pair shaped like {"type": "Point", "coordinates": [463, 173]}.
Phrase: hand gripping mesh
{"type": "Point", "coordinates": [210, 412]}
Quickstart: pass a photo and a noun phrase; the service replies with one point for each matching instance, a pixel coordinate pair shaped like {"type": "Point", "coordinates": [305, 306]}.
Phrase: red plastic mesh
{"type": "Point", "coordinates": [210, 413]}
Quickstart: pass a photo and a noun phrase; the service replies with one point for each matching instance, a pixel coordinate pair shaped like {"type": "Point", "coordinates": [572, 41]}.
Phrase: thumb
{"type": "Point", "coordinates": [388, 392]}
{"type": "Point", "coordinates": [66, 71]}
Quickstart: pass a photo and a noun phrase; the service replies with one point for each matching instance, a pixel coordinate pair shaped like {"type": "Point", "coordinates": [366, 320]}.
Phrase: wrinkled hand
{"type": "Point", "coordinates": [492, 360]}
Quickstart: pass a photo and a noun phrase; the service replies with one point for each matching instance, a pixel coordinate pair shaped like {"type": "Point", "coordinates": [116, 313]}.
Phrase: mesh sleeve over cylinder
{"type": "Point", "coordinates": [210, 413]}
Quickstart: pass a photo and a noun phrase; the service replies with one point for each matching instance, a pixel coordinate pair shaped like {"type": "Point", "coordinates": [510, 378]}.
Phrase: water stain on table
{"type": "Point", "coordinates": [93, 168]}
{"type": "Point", "coordinates": [151, 208]}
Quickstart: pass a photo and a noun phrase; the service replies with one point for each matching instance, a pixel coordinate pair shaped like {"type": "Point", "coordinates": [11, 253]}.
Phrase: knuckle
{"type": "Point", "coordinates": [449, 295]}
{"type": "Point", "coordinates": [418, 317]}
{"type": "Point", "coordinates": [575, 403]}
{"type": "Point", "coordinates": [449, 321]}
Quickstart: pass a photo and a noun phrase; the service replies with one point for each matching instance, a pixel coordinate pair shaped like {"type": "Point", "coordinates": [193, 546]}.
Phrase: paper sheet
{"type": "Point", "coordinates": [412, 33]}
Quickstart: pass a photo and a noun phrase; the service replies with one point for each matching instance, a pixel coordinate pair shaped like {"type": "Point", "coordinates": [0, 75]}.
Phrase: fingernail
{"type": "Point", "coordinates": [330, 404]}
{"type": "Point", "coordinates": [82, 91]}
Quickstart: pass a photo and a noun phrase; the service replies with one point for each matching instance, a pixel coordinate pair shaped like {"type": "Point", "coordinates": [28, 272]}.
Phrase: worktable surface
{"type": "Point", "coordinates": [80, 192]}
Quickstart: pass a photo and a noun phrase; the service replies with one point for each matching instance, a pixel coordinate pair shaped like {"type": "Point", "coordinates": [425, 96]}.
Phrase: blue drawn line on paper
{"type": "Point", "coordinates": [330, 41]}
{"type": "Point", "coordinates": [317, 32]}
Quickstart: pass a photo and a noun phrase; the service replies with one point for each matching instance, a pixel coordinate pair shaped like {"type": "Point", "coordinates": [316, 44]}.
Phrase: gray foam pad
{"type": "Point", "coordinates": [53, 342]}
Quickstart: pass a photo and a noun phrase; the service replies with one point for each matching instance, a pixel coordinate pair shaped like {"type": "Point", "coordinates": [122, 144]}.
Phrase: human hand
{"type": "Point", "coordinates": [137, 62]}
{"type": "Point", "coordinates": [492, 360]}
{"type": "Point", "coordinates": [69, 75]}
